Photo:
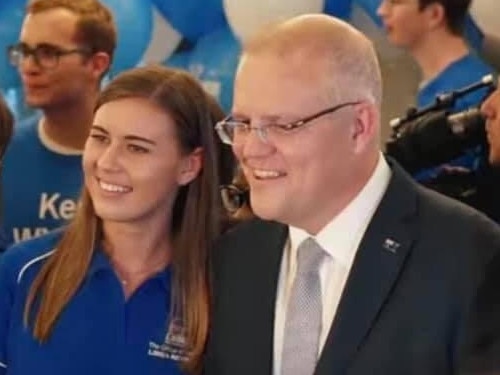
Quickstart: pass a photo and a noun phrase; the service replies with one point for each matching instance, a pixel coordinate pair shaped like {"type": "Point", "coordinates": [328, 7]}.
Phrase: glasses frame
{"type": "Point", "coordinates": [24, 51]}
{"type": "Point", "coordinates": [222, 126]}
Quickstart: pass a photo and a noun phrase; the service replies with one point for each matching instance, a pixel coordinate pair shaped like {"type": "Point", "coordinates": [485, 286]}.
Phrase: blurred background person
{"type": "Point", "coordinates": [64, 50]}
{"type": "Point", "coordinates": [491, 111]}
{"type": "Point", "coordinates": [123, 288]}
{"type": "Point", "coordinates": [432, 31]}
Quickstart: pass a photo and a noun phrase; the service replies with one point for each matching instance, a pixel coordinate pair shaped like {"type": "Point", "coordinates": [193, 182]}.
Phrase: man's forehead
{"type": "Point", "coordinates": [294, 67]}
{"type": "Point", "coordinates": [51, 26]}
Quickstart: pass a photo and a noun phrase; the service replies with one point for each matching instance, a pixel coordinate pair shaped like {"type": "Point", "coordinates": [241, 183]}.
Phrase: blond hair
{"type": "Point", "coordinates": [344, 57]}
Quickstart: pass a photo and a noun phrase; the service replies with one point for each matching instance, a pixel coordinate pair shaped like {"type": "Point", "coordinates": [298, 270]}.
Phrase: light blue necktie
{"type": "Point", "coordinates": [304, 313]}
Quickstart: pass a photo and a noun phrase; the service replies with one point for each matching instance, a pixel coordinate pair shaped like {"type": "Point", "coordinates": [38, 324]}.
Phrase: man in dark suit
{"type": "Point", "coordinates": [351, 267]}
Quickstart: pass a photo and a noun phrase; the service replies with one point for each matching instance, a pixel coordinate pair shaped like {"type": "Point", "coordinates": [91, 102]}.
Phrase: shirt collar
{"type": "Point", "coordinates": [341, 236]}
{"type": "Point", "coordinates": [100, 262]}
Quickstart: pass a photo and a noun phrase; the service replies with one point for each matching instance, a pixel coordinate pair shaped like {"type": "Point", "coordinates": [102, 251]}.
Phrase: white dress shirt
{"type": "Point", "coordinates": [340, 239]}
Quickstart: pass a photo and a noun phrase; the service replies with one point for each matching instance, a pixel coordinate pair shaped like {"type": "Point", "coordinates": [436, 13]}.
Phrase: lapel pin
{"type": "Point", "coordinates": [391, 245]}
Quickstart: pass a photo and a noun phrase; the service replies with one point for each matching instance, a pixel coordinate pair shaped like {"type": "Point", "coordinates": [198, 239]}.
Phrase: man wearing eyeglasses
{"type": "Point", "coordinates": [432, 31]}
{"type": "Point", "coordinates": [351, 267]}
{"type": "Point", "coordinates": [64, 49]}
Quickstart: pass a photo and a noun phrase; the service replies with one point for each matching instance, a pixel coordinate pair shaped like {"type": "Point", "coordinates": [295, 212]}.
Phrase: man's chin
{"type": "Point", "coordinates": [494, 161]}
{"type": "Point", "coordinates": [36, 102]}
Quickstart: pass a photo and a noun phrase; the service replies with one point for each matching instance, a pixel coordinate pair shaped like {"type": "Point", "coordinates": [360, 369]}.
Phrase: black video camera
{"type": "Point", "coordinates": [434, 135]}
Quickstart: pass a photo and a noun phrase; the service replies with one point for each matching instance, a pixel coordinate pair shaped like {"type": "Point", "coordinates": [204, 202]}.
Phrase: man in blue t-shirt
{"type": "Point", "coordinates": [64, 50]}
{"type": "Point", "coordinates": [432, 32]}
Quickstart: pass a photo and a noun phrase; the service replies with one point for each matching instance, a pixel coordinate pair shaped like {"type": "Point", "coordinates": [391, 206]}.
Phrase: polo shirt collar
{"type": "Point", "coordinates": [100, 262]}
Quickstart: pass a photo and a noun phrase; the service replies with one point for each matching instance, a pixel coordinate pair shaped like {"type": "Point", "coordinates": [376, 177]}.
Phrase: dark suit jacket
{"type": "Point", "coordinates": [405, 309]}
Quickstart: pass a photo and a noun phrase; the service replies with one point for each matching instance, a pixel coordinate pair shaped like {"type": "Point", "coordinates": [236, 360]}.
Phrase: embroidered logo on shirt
{"type": "Point", "coordinates": [174, 346]}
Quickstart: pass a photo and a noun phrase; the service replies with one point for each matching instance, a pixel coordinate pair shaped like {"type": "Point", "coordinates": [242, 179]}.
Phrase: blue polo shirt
{"type": "Point", "coordinates": [99, 332]}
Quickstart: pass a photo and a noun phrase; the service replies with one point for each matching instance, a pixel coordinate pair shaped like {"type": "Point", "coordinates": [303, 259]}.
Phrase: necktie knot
{"type": "Point", "coordinates": [309, 256]}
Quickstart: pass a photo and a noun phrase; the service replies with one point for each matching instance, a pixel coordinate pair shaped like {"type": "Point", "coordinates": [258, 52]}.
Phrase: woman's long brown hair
{"type": "Point", "coordinates": [6, 126]}
{"type": "Point", "coordinates": [195, 220]}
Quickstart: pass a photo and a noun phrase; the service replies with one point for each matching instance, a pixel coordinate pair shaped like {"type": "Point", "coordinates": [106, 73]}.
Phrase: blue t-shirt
{"type": "Point", "coordinates": [98, 332]}
{"type": "Point", "coordinates": [40, 186]}
{"type": "Point", "coordinates": [461, 73]}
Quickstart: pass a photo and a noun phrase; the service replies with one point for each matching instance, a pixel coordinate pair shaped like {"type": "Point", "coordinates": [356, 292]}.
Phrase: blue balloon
{"type": "Point", "coordinates": [338, 8]}
{"type": "Point", "coordinates": [214, 61]}
{"type": "Point", "coordinates": [134, 22]}
{"type": "Point", "coordinates": [14, 98]}
{"type": "Point", "coordinates": [193, 18]}
{"type": "Point", "coordinates": [179, 60]}
{"type": "Point", "coordinates": [11, 19]}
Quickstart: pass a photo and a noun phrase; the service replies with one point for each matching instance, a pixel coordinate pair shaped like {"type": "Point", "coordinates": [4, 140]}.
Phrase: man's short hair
{"type": "Point", "coordinates": [352, 70]}
{"type": "Point", "coordinates": [455, 12]}
{"type": "Point", "coordinates": [96, 29]}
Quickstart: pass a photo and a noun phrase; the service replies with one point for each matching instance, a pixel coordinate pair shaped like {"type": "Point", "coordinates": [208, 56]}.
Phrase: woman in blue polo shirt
{"type": "Point", "coordinates": [123, 288]}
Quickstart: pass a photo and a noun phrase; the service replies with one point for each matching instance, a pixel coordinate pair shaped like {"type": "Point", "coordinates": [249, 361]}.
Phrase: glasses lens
{"type": "Point", "coordinates": [47, 57]}
{"type": "Point", "coordinates": [231, 198]}
{"type": "Point", "coordinates": [15, 54]}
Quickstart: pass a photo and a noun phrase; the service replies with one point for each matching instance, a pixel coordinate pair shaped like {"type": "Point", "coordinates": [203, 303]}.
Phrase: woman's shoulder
{"type": "Point", "coordinates": [22, 255]}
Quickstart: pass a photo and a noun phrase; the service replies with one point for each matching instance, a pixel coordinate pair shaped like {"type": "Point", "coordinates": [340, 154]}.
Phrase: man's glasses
{"type": "Point", "coordinates": [46, 56]}
{"type": "Point", "coordinates": [231, 130]}
{"type": "Point", "coordinates": [234, 197]}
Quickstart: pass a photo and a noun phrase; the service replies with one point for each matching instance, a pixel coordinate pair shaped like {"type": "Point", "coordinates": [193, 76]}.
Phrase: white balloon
{"type": "Point", "coordinates": [164, 40]}
{"type": "Point", "coordinates": [247, 16]}
{"type": "Point", "coordinates": [486, 14]}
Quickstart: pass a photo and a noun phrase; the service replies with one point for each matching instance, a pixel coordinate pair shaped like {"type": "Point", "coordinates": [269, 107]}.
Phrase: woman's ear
{"type": "Point", "coordinates": [190, 167]}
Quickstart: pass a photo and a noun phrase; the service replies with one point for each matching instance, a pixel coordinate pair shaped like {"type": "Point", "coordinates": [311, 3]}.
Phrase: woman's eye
{"type": "Point", "coordinates": [98, 137]}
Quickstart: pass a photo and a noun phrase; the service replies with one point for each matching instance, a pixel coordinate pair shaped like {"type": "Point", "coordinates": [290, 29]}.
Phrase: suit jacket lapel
{"type": "Point", "coordinates": [376, 267]}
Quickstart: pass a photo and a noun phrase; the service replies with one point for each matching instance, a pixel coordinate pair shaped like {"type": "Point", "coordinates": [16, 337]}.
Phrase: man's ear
{"type": "Point", "coordinates": [365, 127]}
{"type": "Point", "coordinates": [435, 15]}
{"type": "Point", "coordinates": [190, 167]}
{"type": "Point", "coordinates": [99, 64]}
